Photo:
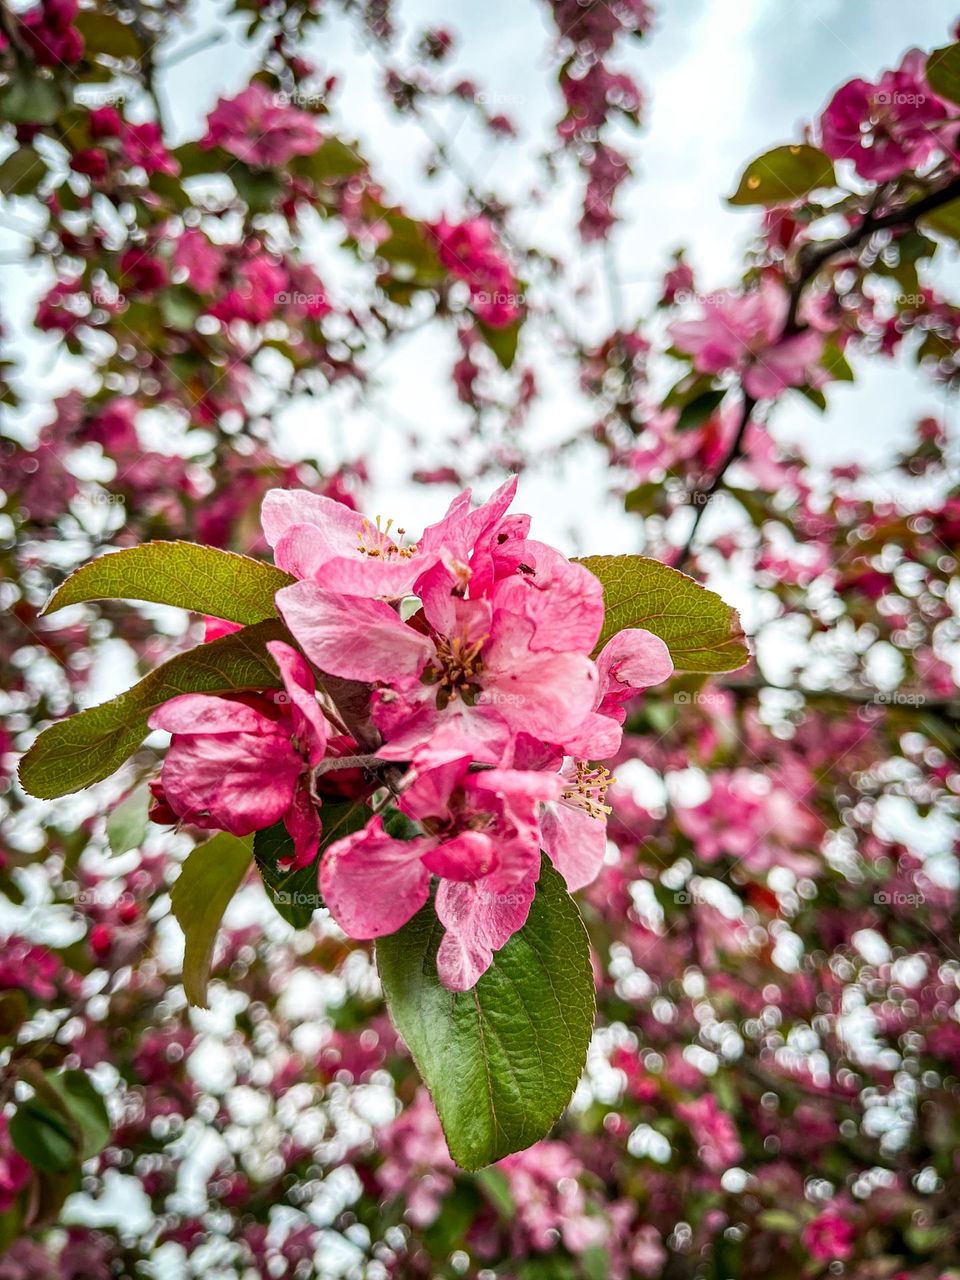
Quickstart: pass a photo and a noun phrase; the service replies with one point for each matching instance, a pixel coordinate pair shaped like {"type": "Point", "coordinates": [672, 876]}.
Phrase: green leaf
{"type": "Point", "coordinates": [21, 172]}
{"type": "Point", "coordinates": [784, 175]}
{"type": "Point", "coordinates": [127, 824]}
{"type": "Point", "coordinates": [501, 1061]}
{"type": "Point", "coordinates": [203, 579]}
{"type": "Point", "coordinates": [105, 34]}
{"type": "Point", "coordinates": [13, 1014]}
{"type": "Point", "coordinates": [696, 413]}
{"type": "Point", "coordinates": [701, 632]}
{"type": "Point", "coordinates": [86, 1108]}
{"type": "Point", "coordinates": [88, 747]}
{"type": "Point", "coordinates": [43, 1136]}
{"type": "Point", "coordinates": [502, 342]}
{"type": "Point", "coordinates": [332, 162]}
{"type": "Point", "coordinates": [30, 99]}
{"type": "Point", "coordinates": [835, 363]}
{"type": "Point", "coordinates": [945, 221]}
{"type": "Point", "coordinates": [494, 1185]}
{"type": "Point", "coordinates": [211, 875]}
{"type": "Point", "coordinates": [295, 893]}
{"type": "Point", "coordinates": [943, 72]}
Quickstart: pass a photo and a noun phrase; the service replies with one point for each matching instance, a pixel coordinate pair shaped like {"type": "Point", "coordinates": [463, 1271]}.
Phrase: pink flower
{"type": "Point", "coordinates": [714, 1132]}
{"type": "Point", "coordinates": [468, 250]}
{"type": "Point", "coordinates": [416, 1163]}
{"type": "Point", "coordinates": [550, 1200]}
{"type": "Point", "coordinates": [259, 285]}
{"type": "Point", "coordinates": [829, 1236]}
{"type": "Point", "coordinates": [317, 538]}
{"type": "Point", "coordinates": [888, 127]}
{"type": "Point", "coordinates": [201, 260]}
{"type": "Point", "coordinates": [742, 332]}
{"type": "Point", "coordinates": [482, 840]}
{"type": "Point", "coordinates": [260, 129]}
{"type": "Point", "coordinates": [143, 145]}
{"type": "Point", "coordinates": [242, 763]}
{"type": "Point", "coordinates": [14, 1170]}
{"type": "Point", "coordinates": [468, 677]}
{"type": "Point", "coordinates": [630, 661]}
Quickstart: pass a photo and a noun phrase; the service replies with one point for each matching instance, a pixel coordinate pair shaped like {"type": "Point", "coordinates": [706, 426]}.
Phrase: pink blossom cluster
{"type": "Point", "coordinates": [49, 33]}
{"type": "Point", "coordinates": [761, 820]}
{"type": "Point", "coordinates": [745, 332]}
{"type": "Point", "coordinates": [140, 145]}
{"type": "Point", "coordinates": [469, 250]}
{"type": "Point", "coordinates": [887, 127]}
{"type": "Point", "coordinates": [260, 128]}
{"type": "Point", "coordinates": [471, 650]}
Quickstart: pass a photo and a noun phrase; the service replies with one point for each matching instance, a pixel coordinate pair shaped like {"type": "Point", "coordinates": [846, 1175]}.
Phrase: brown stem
{"type": "Point", "coordinates": [701, 497]}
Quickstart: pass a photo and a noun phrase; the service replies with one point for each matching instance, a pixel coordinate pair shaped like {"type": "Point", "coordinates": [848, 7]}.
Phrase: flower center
{"type": "Point", "coordinates": [588, 789]}
{"type": "Point", "coordinates": [374, 540]}
{"type": "Point", "coordinates": [455, 669]}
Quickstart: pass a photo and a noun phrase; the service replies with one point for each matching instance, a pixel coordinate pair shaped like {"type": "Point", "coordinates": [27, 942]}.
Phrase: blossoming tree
{"type": "Point", "coordinates": [433, 738]}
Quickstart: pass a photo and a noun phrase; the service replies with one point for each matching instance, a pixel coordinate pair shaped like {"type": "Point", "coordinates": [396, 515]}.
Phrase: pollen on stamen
{"type": "Point", "coordinates": [374, 540]}
{"type": "Point", "coordinates": [589, 789]}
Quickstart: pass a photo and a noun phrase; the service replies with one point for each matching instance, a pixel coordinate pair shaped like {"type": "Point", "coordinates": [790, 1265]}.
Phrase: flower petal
{"type": "Point", "coordinates": [353, 637]}
{"type": "Point", "coordinates": [372, 883]}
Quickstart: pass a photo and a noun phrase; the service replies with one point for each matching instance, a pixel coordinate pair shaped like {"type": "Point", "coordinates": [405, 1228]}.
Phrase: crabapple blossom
{"type": "Point", "coordinates": [259, 129]}
{"type": "Point", "coordinates": [744, 332]}
{"type": "Point", "coordinates": [887, 127]}
{"type": "Point", "coordinates": [240, 764]}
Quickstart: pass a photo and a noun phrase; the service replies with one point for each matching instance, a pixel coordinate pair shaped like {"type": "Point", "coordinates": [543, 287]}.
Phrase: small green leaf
{"type": "Point", "coordinates": [945, 221]}
{"type": "Point", "coordinates": [501, 1061]}
{"type": "Point", "coordinates": [295, 894]}
{"type": "Point", "coordinates": [21, 172]}
{"type": "Point", "coordinates": [502, 342]}
{"type": "Point", "coordinates": [835, 363]}
{"type": "Point", "coordinates": [127, 824]}
{"type": "Point", "coordinates": [88, 747]}
{"type": "Point", "coordinates": [44, 1136]}
{"type": "Point", "coordinates": [85, 1107]}
{"type": "Point", "coordinates": [203, 579]}
{"type": "Point", "coordinates": [30, 99]}
{"type": "Point", "coordinates": [211, 875]}
{"type": "Point", "coordinates": [701, 632]}
{"type": "Point", "coordinates": [494, 1185]}
{"type": "Point", "coordinates": [13, 1014]}
{"type": "Point", "coordinates": [105, 34]}
{"type": "Point", "coordinates": [696, 413]}
{"type": "Point", "coordinates": [943, 72]}
{"type": "Point", "coordinates": [784, 175]}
